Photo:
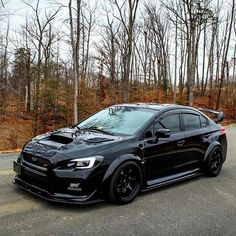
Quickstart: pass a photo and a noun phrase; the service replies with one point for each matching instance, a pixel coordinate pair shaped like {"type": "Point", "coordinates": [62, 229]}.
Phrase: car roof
{"type": "Point", "coordinates": [154, 106]}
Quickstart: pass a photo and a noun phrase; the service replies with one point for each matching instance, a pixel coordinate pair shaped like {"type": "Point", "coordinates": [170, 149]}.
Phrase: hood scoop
{"type": "Point", "coordinates": [60, 139]}
{"type": "Point", "coordinates": [56, 141]}
{"type": "Point", "coordinates": [98, 140]}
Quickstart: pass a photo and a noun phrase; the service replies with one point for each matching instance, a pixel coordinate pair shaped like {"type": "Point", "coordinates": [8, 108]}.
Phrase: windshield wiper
{"type": "Point", "coordinates": [78, 131]}
{"type": "Point", "coordinates": [94, 128]}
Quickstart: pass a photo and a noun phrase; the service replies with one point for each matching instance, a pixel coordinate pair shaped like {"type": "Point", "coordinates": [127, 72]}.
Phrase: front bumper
{"type": "Point", "coordinates": [56, 197]}
{"type": "Point", "coordinates": [54, 187]}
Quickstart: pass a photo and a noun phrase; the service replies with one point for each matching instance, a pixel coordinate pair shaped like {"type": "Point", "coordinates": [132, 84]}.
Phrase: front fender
{"type": "Point", "coordinates": [117, 162]}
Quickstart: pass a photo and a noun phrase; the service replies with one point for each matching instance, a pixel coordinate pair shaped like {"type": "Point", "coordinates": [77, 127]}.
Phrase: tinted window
{"type": "Point", "coordinates": [191, 121]}
{"type": "Point", "coordinates": [204, 121]}
{"type": "Point", "coordinates": [148, 134]}
{"type": "Point", "coordinates": [118, 119]}
{"type": "Point", "coordinates": [170, 122]}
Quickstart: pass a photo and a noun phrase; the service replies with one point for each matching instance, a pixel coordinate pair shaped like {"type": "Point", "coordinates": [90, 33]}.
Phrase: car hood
{"type": "Point", "coordinates": [68, 143]}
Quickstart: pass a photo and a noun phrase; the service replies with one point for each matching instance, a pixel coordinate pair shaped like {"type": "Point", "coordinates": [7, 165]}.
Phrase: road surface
{"type": "Point", "coordinates": [201, 206]}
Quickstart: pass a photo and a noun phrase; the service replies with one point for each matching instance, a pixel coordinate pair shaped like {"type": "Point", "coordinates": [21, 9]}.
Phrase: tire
{"type": "Point", "coordinates": [214, 162]}
{"type": "Point", "coordinates": [126, 183]}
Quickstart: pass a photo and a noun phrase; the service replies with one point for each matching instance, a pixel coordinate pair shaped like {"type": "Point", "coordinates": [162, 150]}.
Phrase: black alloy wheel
{"type": "Point", "coordinates": [214, 162]}
{"type": "Point", "coordinates": [126, 183]}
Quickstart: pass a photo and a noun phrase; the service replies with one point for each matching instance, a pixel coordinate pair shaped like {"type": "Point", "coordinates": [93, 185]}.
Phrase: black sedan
{"type": "Point", "coordinates": [120, 151]}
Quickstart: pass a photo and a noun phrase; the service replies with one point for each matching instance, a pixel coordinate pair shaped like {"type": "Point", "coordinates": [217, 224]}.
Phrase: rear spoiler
{"type": "Point", "coordinates": [219, 115]}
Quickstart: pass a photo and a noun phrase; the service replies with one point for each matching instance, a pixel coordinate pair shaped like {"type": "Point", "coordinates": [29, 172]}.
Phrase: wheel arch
{"type": "Point", "coordinates": [116, 163]}
{"type": "Point", "coordinates": [210, 148]}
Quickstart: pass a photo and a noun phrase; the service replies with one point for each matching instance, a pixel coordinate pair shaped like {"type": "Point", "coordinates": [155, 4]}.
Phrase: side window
{"type": "Point", "coordinates": [191, 121]}
{"type": "Point", "coordinates": [170, 122]}
{"type": "Point", "coordinates": [204, 121]}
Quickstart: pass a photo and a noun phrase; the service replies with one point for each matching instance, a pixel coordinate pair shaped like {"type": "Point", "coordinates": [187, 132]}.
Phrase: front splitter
{"type": "Point", "coordinates": [56, 197]}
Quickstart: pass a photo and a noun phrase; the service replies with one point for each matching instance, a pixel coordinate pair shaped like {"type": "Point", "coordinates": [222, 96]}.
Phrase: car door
{"type": "Point", "coordinates": [165, 155]}
{"type": "Point", "coordinates": [196, 131]}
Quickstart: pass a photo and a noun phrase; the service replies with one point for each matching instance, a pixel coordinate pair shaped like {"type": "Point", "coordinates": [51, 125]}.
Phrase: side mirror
{"type": "Point", "coordinates": [162, 133]}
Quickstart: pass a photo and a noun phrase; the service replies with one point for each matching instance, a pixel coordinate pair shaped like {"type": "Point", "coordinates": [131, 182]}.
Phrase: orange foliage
{"type": "Point", "coordinates": [15, 131]}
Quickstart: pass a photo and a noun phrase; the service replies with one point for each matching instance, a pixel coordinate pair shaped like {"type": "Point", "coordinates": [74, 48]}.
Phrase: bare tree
{"type": "Point", "coordinates": [231, 18]}
{"type": "Point", "coordinates": [108, 48]}
{"type": "Point", "coordinates": [88, 22]}
{"type": "Point", "coordinates": [4, 82]}
{"type": "Point", "coordinates": [190, 14]}
{"type": "Point", "coordinates": [2, 3]}
{"type": "Point", "coordinates": [128, 27]}
{"type": "Point", "coordinates": [75, 45]}
{"type": "Point", "coordinates": [159, 29]}
{"type": "Point", "coordinates": [37, 31]}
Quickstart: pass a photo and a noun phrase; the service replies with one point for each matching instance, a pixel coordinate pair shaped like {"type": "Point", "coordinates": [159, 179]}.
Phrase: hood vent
{"type": "Point", "coordinates": [60, 139]}
{"type": "Point", "coordinates": [98, 140]}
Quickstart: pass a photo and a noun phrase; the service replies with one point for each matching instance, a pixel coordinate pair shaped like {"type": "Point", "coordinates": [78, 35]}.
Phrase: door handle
{"type": "Point", "coordinates": [181, 143]}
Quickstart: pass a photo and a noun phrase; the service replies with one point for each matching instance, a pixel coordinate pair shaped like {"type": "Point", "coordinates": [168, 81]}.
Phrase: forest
{"type": "Point", "coordinates": [66, 59]}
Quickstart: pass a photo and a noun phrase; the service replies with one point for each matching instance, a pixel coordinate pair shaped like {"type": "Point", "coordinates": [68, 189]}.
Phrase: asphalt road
{"type": "Point", "coordinates": [201, 206]}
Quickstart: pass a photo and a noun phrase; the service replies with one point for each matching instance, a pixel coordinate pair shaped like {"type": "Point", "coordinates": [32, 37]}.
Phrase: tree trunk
{"type": "Point", "coordinates": [224, 60]}
{"type": "Point", "coordinates": [75, 43]}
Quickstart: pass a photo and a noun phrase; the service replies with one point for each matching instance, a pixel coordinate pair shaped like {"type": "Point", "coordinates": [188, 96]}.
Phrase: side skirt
{"type": "Point", "coordinates": [161, 182]}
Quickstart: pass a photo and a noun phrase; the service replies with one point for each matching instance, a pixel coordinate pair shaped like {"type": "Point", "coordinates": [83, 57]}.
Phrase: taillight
{"type": "Point", "coordinates": [222, 130]}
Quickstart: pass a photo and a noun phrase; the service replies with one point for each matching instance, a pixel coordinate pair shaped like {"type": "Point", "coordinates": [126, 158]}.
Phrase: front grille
{"type": "Point", "coordinates": [35, 171]}
{"type": "Point", "coordinates": [35, 160]}
{"type": "Point", "coordinates": [40, 183]}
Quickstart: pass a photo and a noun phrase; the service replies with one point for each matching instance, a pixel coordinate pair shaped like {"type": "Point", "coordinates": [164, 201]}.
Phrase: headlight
{"type": "Point", "coordinates": [85, 163]}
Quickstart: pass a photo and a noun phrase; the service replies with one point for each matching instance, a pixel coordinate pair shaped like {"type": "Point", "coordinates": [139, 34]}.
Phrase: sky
{"type": "Point", "coordinates": [19, 10]}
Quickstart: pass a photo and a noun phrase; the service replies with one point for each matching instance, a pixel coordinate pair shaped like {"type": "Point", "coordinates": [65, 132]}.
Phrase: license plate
{"type": "Point", "coordinates": [16, 167]}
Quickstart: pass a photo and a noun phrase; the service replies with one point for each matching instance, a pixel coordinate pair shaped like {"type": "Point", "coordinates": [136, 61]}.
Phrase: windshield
{"type": "Point", "coordinates": [120, 120]}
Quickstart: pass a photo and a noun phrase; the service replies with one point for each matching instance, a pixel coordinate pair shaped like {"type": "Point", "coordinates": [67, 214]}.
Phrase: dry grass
{"type": "Point", "coordinates": [14, 132]}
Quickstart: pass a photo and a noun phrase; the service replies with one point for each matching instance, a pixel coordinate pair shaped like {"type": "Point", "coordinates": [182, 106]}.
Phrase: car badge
{"type": "Point", "coordinates": [34, 159]}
